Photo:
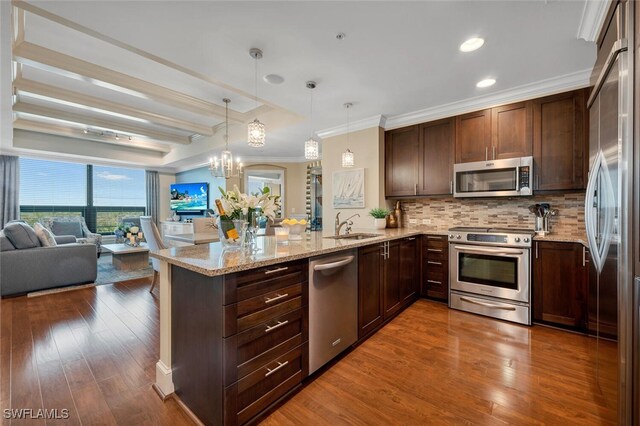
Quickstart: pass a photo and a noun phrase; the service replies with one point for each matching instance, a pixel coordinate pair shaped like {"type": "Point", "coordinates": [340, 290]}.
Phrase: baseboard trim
{"type": "Point", "coordinates": [186, 410]}
{"type": "Point", "coordinates": [60, 290]}
{"type": "Point", "coordinates": [164, 380]}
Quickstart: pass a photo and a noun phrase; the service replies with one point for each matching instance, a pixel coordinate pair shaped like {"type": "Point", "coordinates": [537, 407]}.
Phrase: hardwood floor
{"type": "Point", "coordinates": [93, 352]}
{"type": "Point", "coordinates": [432, 365]}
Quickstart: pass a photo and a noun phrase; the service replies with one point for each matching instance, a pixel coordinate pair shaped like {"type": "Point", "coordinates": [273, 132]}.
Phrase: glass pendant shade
{"type": "Point", "coordinates": [311, 149]}
{"type": "Point", "coordinates": [348, 159]}
{"type": "Point", "coordinates": [256, 134]}
{"type": "Point", "coordinates": [224, 167]}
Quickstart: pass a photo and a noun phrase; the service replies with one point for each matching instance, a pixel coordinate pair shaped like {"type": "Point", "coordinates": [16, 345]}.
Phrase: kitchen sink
{"type": "Point", "coordinates": [354, 236]}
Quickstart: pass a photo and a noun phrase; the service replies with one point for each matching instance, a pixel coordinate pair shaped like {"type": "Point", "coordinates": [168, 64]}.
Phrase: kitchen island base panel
{"type": "Point", "coordinates": [236, 352]}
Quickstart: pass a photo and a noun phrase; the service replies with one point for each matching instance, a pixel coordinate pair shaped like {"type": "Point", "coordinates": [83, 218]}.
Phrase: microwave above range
{"type": "Point", "coordinates": [511, 177]}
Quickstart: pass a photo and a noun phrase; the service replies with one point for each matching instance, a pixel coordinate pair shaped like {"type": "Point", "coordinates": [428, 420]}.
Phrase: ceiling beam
{"type": "Point", "coordinates": [51, 60]}
{"type": "Point", "coordinates": [115, 42]}
{"type": "Point", "coordinates": [92, 121]}
{"type": "Point", "coordinates": [35, 126]}
{"type": "Point", "coordinates": [41, 89]}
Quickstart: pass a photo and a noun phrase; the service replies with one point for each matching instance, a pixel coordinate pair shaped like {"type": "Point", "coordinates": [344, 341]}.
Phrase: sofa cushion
{"type": "Point", "coordinates": [21, 235]}
{"type": "Point", "coordinates": [67, 228]}
{"type": "Point", "coordinates": [5, 244]}
{"type": "Point", "coordinates": [45, 236]}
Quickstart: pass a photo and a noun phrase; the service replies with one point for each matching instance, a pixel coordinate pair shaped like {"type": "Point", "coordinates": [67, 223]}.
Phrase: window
{"type": "Point", "coordinates": [103, 195]}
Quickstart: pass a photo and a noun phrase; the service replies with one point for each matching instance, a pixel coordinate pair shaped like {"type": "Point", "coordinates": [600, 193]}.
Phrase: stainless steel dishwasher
{"type": "Point", "coordinates": [333, 306]}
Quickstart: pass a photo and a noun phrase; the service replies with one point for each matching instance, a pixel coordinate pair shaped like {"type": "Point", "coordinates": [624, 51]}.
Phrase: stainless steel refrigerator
{"type": "Point", "coordinates": [608, 211]}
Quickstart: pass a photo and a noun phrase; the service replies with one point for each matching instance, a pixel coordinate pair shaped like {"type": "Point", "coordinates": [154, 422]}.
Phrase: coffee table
{"type": "Point", "coordinates": [127, 258]}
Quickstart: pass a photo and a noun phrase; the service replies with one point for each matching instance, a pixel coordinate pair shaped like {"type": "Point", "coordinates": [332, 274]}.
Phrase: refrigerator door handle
{"type": "Point", "coordinates": [599, 176]}
{"type": "Point", "coordinates": [618, 46]}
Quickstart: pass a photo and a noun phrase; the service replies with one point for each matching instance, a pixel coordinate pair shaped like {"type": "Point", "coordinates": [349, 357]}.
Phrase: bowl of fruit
{"type": "Point", "coordinates": [296, 227]}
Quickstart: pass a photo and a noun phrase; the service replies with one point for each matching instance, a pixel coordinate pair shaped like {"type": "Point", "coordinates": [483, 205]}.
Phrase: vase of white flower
{"type": "Point", "coordinates": [236, 206]}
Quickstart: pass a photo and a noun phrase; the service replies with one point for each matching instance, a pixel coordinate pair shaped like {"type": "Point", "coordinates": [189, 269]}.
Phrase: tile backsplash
{"type": "Point", "coordinates": [507, 212]}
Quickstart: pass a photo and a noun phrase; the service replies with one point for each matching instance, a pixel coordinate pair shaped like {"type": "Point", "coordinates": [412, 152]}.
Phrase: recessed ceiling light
{"type": "Point", "coordinates": [472, 44]}
{"type": "Point", "coordinates": [273, 79]}
{"type": "Point", "coordinates": [486, 82]}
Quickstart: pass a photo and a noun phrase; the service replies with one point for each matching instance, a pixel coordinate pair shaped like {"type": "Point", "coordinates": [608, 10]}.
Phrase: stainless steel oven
{"type": "Point", "coordinates": [490, 272]}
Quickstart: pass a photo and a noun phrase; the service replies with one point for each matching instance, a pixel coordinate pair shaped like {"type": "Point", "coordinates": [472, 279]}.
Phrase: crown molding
{"type": "Point", "coordinates": [550, 86]}
{"type": "Point", "coordinates": [365, 123]}
{"type": "Point", "coordinates": [592, 17]}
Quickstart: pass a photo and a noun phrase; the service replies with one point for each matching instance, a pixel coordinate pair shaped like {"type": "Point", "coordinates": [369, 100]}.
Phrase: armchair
{"type": "Point", "coordinates": [73, 225]}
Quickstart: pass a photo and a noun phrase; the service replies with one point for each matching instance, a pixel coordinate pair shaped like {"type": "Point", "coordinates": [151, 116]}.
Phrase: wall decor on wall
{"type": "Point", "coordinates": [348, 189]}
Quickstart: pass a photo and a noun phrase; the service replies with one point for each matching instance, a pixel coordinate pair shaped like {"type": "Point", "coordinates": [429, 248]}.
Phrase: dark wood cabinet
{"type": "Point", "coordinates": [560, 141]}
{"type": "Point", "coordinates": [388, 281]}
{"type": "Point", "coordinates": [401, 165]}
{"type": "Point", "coordinates": [409, 270]}
{"type": "Point", "coordinates": [473, 136]}
{"type": "Point", "coordinates": [511, 131]}
{"type": "Point", "coordinates": [419, 159]}
{"type": "Point", "coordinates": [370, 311]}
{"type": "Point", "coordinates": [436, 155]}
{"type": "Point", "coordinates": [435, 267]}
{"type": "Point", "coordinates": [391, 300]}
{"type": "Point", "coordinates": [229, 330]}
{"type": "Point", "coordinates": [560, 280]}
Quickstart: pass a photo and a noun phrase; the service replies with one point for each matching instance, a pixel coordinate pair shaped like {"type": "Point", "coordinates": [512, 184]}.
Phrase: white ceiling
{"type": "Point", "coordinates": [397, 57]}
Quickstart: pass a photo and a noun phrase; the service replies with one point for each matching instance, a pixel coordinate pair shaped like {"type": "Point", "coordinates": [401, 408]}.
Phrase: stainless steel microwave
{"type": "Point", "coordinates": [511, 177]}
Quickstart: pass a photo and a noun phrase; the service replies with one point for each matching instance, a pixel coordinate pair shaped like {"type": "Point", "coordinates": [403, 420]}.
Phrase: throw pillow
{"type": "Point", "coordinates": [21, 235]}
{"type": "Point", "coordinates": [5, 244]}
{"type": "Point", "coordinates": [67, 228]}
{"type": "Point", "coordinates": [44, 235]}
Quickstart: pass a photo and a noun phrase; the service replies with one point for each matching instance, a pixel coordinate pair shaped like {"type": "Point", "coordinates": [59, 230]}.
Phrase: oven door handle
{"type": "Point", "coordinates": [487, 250]}
{"type": "Point", "coordinates": [488, 305]}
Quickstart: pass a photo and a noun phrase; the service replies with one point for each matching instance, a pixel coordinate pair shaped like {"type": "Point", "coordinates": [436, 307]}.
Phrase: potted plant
{"type": "Point", "coordinates": [379, 217]}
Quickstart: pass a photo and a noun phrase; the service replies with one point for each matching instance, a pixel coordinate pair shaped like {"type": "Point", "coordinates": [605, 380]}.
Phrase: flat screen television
{"type": "Point", "coordinates": [189, 197]}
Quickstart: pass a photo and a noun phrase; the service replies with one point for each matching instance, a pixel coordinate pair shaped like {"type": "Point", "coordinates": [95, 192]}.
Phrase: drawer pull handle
{"type": "Point", "coordinates": [278, 297]}
{"type": "Point", "coordinates": [436, 250]}
{"type": "Point", "coordinates": [488, 305]}
{"type": "Point", "coordinates": [410, 238]}
{"type": "Point", "coordinates": [273, 327]}
{"type": "Point", "coordinates": [273, 271]}
{"type": "Point", "coordinates": [434, 263]}
{"type": "Point", "coordinates": [280, 365]}
{"type": "Point", "coordinates": [434, 282]}
{"type": "Point", "coordinates": [429, 237]}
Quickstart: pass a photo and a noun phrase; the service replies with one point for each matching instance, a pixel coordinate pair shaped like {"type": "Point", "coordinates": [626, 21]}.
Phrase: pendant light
{"type": "Point", "coordinates": [256, 133]}
{"type": "Point", "coordinates": [311, 146]}
{"type": "Point", "coordinates": [224, 167]}
{"type": "Point", "coordinates": [348, 158]}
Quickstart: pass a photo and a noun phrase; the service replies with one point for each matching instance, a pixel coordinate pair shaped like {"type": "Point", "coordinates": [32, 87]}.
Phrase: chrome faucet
{"type": "Point", "coordinates": [346, 222]}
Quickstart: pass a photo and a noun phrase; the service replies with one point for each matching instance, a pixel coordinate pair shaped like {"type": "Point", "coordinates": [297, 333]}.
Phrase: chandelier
{"type": "Point", "coordinates": [224, 167]}
{"type": "Point", "coordinates": [311, 146]}
{"type": "Point", "coordinates": [256, 133]}
{"type": "Point", "coordinates": [348, 158]}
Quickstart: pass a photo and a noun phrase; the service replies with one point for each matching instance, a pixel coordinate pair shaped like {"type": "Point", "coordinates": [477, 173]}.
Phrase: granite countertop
{"type": "Point", "coordinates": [213, 259]}
{"type": "Point", "coordinates": [562, 238]}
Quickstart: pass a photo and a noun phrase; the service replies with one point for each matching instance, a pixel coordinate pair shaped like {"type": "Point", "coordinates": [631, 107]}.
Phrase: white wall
{"type": "Point", "coordinates": [368, 147]}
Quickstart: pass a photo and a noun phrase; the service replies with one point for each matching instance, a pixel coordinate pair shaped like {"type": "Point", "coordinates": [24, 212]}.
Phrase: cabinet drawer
{"type": "Point", "coordinates": [258, 340]}
{"type": "Point", "coordinates": [256, 391]}
{"type": "Point", "coordinates": [257, 318]}
{"type": "Point", "coordinates": [435, 242]}
{"type": "Point", "coordinates": [438, 266]}
{"type": "Point", "coordinates": [256, 282]}
{"type": "Point", "coordinates": [267, 300]}
{"type": "Point", "coordinates": [435, 253]}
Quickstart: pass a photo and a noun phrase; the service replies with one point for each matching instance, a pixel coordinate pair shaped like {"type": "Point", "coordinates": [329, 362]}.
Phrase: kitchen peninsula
{"type": "Point", "coordinates": [234, 325]}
